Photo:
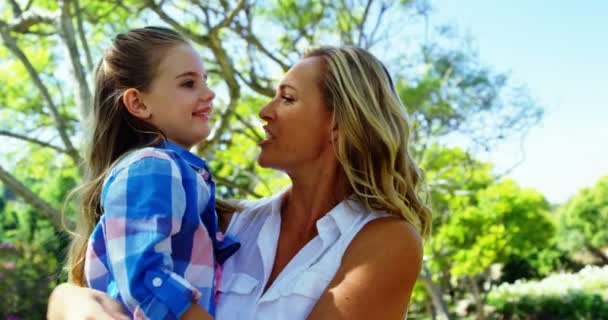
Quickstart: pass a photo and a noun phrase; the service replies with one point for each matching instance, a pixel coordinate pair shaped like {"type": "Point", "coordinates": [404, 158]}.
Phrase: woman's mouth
{"type": "Point", "coordinates": [268, 138]}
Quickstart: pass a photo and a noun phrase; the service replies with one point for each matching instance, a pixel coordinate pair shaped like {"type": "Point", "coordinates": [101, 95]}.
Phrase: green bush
{"type": "Point", "coordinates": [583, 295]}
{"type": "Point", "coordinates": [31, 254]}
{"type": "Point", "coordinates": [27, 276]}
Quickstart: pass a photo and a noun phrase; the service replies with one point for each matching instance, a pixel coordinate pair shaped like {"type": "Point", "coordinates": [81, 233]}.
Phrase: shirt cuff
{"type": "Point", "coordinates": [176, 294]}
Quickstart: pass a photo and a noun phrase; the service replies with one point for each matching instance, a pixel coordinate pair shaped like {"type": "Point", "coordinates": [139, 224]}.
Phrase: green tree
{"type": "Point", "coordinates": [583, 219]}
{"type": "Point", "coordinates": [480, 221]}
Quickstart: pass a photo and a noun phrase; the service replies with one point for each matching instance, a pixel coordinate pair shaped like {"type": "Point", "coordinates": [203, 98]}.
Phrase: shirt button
{"type": "Point", "coordinates": [157, 282]}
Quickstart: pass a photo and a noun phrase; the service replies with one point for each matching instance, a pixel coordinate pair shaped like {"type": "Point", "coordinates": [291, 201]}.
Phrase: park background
{"type": "Point", "coordinates": [508, 100]}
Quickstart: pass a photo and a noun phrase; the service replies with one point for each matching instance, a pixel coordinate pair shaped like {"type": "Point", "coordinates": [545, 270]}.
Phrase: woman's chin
{"type": "Point", "coordinates": [263, 162]}
{"type": "Point", "coordinates": [268, 162]}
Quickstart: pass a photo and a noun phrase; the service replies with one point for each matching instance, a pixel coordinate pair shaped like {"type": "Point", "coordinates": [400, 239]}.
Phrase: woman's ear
{"type": "Point", "coordinates": [133, 101]}
{"type": "Point", "coordinates": [334, 133]}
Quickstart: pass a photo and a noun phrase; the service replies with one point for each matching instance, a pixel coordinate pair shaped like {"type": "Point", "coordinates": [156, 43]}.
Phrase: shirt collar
{"type": "Point", "coordinates": [192, 159]}
{"type": "Point", "coordinates": [339, 220]}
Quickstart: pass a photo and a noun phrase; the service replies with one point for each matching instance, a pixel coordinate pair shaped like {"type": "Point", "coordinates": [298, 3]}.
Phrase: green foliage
{"type": "Point", "coordinates": [500, 221]}
{"type": "Point", "coordinates": [479, 222]}
{"type": "Point", "coordinates": [561, 296]}
{"type": "Point", "coordinates": [452, 93]}
{"type": "Point", "coordinates": [31, 254]}
{"type": "Point", "coordinates": [582, 221]}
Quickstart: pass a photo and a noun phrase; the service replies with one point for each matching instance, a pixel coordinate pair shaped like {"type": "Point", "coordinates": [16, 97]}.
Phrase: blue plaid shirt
{"type": "Point", "coordinates": [157, 247]}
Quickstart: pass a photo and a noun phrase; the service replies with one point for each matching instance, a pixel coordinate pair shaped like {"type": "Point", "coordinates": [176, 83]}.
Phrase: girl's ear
{"type": "Point", "coordinates": [133, 101]}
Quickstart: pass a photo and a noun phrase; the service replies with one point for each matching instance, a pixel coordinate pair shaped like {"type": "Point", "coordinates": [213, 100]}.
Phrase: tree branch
{"type": "Point", "coordinates": [228, 72]}
{"type": "Point", "coordinates": [11, 44]}
{"type": "Point", "coordinates": [247, 35]}
{"type": "Point", "coordinates": [200, 39]}
{"type": "Point", "coordinates": [28, 5]}
{"type": "Point", "coordinates": [67, 33]}
{"type": "Point", "coordinates": [228, 183]}
{"type": "Point", "coordinates": [255, 85]}
{"type": "Point", "coordinates": [31, 18]}
{"type": "Point", "coordinates": [205, 10]}
{"type": "Point", "coordinates": [31, 198]}
{"type": "Point", "coordinates": [361, 24]}
{"type": "Point", "coordinates": [245, 133]}
{"type": "Point", "coordinates": [81, 35]}
{"type": "Point", "coordinates": [250, 127]}
{"type": "Point", "coordinates": [372, 35]}
{"type": "Point", "coordinates": [229, 18]}
{"type": "Point", "coordinates": [435, 292]}
{"type": "Point", "coordinates": [32, 140]}
{"type": "Point", "coordinates": [16, 9]}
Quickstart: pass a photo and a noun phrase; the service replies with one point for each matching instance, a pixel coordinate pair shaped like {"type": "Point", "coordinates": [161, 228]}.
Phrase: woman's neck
{"type": "Point", "coordinates": [311, 197]}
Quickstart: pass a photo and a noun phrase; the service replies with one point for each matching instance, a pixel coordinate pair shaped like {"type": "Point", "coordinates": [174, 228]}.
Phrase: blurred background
{"type": "Point", "coordinates": [509, 101]}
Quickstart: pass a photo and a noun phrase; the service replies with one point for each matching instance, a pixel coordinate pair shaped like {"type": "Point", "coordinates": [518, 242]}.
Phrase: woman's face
{"type": "Point", "coordinates": [298, 124]}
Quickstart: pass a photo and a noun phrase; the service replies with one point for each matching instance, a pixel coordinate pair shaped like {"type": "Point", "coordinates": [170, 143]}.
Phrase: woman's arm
{"type": "Point", "coordinates": [377, 274]}
{"type": "Point", "coordinates": [71, 302]}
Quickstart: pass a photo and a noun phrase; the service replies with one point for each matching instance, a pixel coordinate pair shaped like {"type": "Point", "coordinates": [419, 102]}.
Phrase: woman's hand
{"type": "Point", "coordinates": [71, 302]}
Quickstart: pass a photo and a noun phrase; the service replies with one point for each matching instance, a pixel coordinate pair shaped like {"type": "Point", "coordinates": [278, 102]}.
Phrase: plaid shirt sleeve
{"type": "Point", "coordinates": [144, 204]}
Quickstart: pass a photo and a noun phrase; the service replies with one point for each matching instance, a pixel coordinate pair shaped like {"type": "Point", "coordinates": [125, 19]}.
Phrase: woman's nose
{"type": "Point", "coordinates": [266, 113]}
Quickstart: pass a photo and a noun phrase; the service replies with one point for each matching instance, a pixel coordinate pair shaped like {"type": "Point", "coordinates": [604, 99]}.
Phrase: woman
{"type": "Point", "coordinates": [341, 242]}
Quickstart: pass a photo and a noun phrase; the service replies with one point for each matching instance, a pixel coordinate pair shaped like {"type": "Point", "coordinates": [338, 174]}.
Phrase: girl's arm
{"type": "Point", "coordinates": [144, 207]}
{"type": "Point", "coordinates": [377, 274]}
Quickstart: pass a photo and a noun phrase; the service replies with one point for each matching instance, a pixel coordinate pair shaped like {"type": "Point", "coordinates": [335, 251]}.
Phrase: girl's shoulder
{"type": "Point", "coordinates": [145, 156]}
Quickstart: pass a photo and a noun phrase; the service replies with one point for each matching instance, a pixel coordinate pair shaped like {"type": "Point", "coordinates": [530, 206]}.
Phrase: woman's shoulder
{"type": "Point", "coordinates": [389, 239]}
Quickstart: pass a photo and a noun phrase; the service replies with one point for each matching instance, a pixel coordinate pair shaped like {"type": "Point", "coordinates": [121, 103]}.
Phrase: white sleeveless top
{"type": "Point", "coordinates": [297, 289]}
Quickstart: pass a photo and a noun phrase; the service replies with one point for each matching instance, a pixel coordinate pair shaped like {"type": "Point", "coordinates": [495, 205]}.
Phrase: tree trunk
{"type": "Point", "coordinates": [441, 310]}
{"type": "Point", "coordinates": [596, 252]}
{"type": "Point", "coordinates": [32, 199]}
{"type": "Point", "coordinates": [479, 304]}
{"type": "Point", "coordinates": [431, 310]}
{"type": "Point", "coordinates": [84, 102]}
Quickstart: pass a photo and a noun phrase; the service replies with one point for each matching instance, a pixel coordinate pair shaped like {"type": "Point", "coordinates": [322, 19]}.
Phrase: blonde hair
{"type": "Point", "coordinates": [372, 145]}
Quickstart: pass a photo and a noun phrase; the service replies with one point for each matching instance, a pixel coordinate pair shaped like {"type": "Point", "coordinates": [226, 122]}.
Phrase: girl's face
{"type": "Point", "coordinates": [298, 124]}
{"type": "Point", "coordinates": [178, 99]}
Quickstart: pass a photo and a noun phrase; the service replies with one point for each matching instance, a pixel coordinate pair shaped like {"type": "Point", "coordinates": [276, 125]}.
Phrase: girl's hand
{"type": "Point", "coordinates": [71, 302]}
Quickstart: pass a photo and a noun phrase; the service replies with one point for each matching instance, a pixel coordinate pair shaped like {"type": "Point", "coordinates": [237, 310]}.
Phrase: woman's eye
{"type": "Point", "coordinates": [287, 99]}
{"type": "Point", "coordinates": [188, 84]}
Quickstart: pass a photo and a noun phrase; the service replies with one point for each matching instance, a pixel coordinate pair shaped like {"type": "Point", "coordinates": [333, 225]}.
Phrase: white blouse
{"type": "Point", "coordinates": [299, 286]}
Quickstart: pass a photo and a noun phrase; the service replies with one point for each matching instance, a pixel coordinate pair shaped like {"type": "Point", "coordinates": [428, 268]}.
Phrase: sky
{"type": "Point", "coordinates": [559, 51]}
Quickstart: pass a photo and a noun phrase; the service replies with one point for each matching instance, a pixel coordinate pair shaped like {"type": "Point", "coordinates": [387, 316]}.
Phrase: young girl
{"type": "Point", "coordinates": [149, 204]}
